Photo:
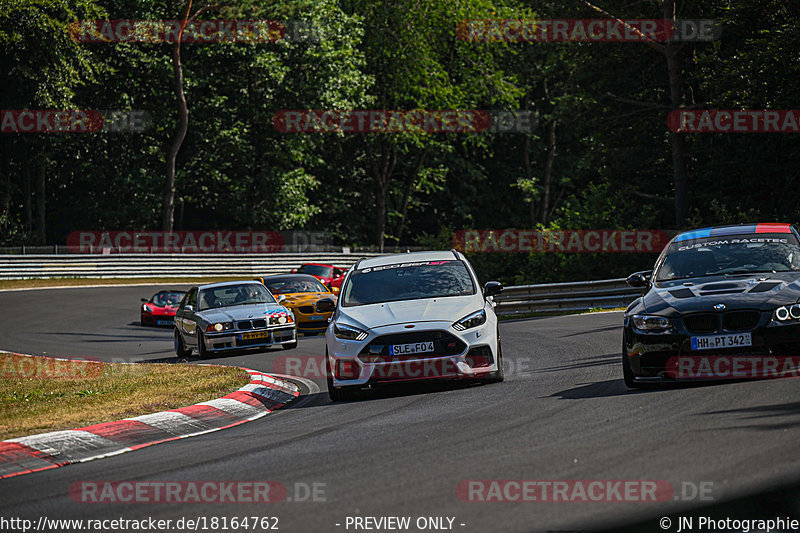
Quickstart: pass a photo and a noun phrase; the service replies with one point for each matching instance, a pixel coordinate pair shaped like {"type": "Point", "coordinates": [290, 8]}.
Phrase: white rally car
{"type": "Point", "coordinates": [412, 316]}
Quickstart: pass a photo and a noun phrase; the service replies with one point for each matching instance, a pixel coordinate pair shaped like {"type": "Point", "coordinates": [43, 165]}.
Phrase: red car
{"type": "Point", "coordinates": [160, 309]}
{"type": "Point", "coordinates": [328, 274]}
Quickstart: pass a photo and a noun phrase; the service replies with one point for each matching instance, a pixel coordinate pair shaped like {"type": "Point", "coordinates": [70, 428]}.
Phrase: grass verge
{"type": "Point", "coordinates": [39, 394]}
{"type": "Point", "coordinates": [79, 282]}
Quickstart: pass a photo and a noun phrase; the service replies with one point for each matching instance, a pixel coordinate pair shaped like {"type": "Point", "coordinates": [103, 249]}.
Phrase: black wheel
{"type": "Point", "coordinates": [180, 348]}
{"type": "Point", "coordinates": [498, 375]}
{"type": "Point", "coordinates": [201, 344]}
{"type": "Point", "coordinates": [290, 345]}
{"type": "Point", "coordinates": [627, 373]}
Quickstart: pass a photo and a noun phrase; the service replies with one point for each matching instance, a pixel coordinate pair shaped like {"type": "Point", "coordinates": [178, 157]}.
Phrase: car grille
{"type": "Point", "coordinates": [701, 323]}
{"type": "Point", "coordinates": [444, 344]}
{"type": "Point", "coordinates": [740, 320]}
{"type": "Point", "coordinates": [251, 324]}
{"type": "Point", "coordinates": [731, 321]}
{"type": "Point", "coordinates": [306, 309]}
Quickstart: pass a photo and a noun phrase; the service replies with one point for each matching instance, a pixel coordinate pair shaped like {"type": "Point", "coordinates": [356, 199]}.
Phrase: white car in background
{"type": "Point", "coordinates": [410, 317]}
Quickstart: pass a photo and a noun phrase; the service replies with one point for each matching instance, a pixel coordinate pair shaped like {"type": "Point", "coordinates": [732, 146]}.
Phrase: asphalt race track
{"type": "Point", "coordinates": [563, 413]}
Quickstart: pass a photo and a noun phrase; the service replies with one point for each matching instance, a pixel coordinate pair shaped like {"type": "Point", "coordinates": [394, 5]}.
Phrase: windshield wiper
{"type": "Point", "coordinates": [745, 272]}
{"type": "Point", "coordinates": [731, 273]}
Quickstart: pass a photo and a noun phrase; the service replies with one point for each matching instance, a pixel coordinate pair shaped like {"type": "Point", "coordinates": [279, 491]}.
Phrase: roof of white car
{"type": "Point", "coordinates": [410, 257]}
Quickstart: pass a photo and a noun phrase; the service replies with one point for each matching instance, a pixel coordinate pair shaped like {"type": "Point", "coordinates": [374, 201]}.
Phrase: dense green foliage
{"type": "Point", "coordinates": [600, 156]}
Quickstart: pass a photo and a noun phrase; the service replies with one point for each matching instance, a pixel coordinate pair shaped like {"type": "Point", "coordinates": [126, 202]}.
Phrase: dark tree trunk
{"type": "Point", "coordinates": [40, 202]}
{"type": "Point", "coordinates": [27, 199]}
{"type": "Point", "coordinates": [680, 156]}
{"type": "Point", "coordinates": [382, 169]}
{"type": "Point", "coordinates": [168, 204]}
{"type": "Point", "coordinates": [411, 181]}
{"type": "Point", "coordinates": [526, 164]}
{"type": "Point", "coordinates": [548, 171]}
{"type": "Point", "coordinates": [678, 140]}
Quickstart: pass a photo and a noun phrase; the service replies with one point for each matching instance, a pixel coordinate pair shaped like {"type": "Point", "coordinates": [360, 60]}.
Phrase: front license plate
{"type": "Point", "coordinates": [316, 317]}
{"type": "Point", "coordinates": [254, 335]}
{"type": "Point", "coordinates": [715, 342]}
{"type": "Point", "coordinates": [404, 349]}
{"type": "Point", "coordinates": [164, 322]}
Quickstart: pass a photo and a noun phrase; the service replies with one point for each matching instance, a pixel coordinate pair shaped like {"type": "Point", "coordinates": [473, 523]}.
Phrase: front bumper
{"type": "Point", "coordinates": [473, 354]}
{"type": "Point", "coordinates": [151, 319]}
{"type": "Point", "coordinates": [654, 357]}
{"type": "Point", "coordinates": [237, 339]}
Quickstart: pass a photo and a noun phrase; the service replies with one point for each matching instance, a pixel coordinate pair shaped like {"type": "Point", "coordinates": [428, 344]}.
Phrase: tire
{"type": "Point", "coordinates": [498, 375]}
{"type": "Point", "coordinates": [180, 348]}
{"type": "Point", "coordinates": [290, 346]}
{"type": "Point", "coordinates": [627, 373]}
{"type": "Point", "coordinates": [202, 353]}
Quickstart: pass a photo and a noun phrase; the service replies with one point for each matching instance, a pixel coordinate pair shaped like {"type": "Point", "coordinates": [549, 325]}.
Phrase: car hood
{"type": "Point", "coordinates": [758, 291]}
{"type": "Point", "coordinates": [448, 309]}
{"type": "Point", "coordinates": [299, 298]}
{"type": "Point", "coordinates": [241, 312]}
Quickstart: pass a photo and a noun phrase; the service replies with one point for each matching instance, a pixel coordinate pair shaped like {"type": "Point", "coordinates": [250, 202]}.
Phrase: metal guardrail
{"type": "Point", "coordinates": [574, 296]}
{"type": "Point", "coordinates": [162, 265]}
{"type": "Point", "coordinates": [515, 300]}
{"type": "Point", "coordinates": [63, 249]}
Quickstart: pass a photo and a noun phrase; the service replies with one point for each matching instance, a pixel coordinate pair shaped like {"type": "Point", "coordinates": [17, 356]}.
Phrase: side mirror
{"type": "Point", "coordinates": [639, 279]}
{"type": "Point", "coordinates": [492, 288]}
{"type": "Point", "coordinates": [281, 298]}
{"type": "Point", "coordinates": [188, 307]}
{"type": "Point", "coordinates": [335, 290]}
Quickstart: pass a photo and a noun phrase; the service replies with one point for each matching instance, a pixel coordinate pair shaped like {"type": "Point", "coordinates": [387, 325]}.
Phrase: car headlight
{"type": "Point", "coordinates": [343, 331]}
{"type": "Point", "coordinates": [651, 323]}
{"type": "Point", "coordinates": [146, 308]}
{"type": "Point", "coordinates": [787, 312]}
{"type": "Point", "coordinates": [470, 321]}
{"type": "Point", "coordinates": [214, 327]}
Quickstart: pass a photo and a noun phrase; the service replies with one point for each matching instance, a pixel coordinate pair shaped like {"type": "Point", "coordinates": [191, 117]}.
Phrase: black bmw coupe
{"type": "Point", "coordinates": [721, 302]}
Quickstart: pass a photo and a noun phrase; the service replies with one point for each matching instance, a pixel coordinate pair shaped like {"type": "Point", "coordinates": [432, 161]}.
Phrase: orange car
{"type": "Point", "coordinates": [311, 302]}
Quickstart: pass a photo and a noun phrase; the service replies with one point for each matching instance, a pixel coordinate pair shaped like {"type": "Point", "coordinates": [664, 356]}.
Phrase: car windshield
{"type": "Point", "coordinates": [316, 270]}
{"type": "Point", "coordinates": [407, 281]}
{"type": "Point", "coordinates": [227, 295]}
{"type": "Point", "coordinates": [289, 285]}
{"type": "Point", "coordinates": [162, 299]}
{"type": "Point", "coordinates": [735, 254]}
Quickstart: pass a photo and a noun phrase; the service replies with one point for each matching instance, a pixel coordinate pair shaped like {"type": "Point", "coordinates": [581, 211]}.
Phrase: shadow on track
{"type": "Point", "coordinates": [616, 387]}
{"type": "Point", "coordinates": [600, 360]}
{"type": "Point", "coordinates": [760, 417]}
{"type": "Point", "coordinates": [393, 391]}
